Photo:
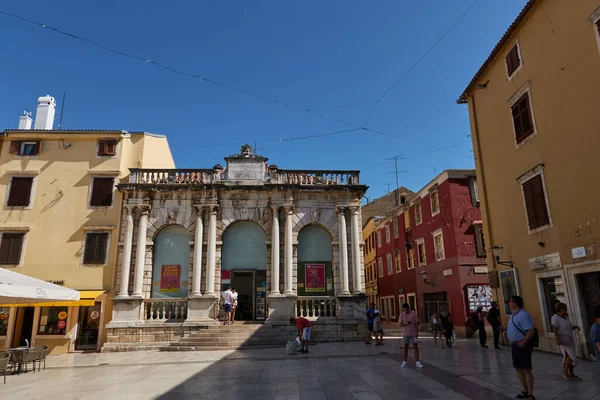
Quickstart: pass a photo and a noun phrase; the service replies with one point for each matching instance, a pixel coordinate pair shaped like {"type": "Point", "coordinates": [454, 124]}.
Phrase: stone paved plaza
{"type": "Point", "coordinates": [331, 371]}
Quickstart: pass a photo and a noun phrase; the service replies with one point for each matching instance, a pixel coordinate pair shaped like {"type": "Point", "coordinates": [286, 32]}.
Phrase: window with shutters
{"type": "Point", "coordinates": [395, 227]}
{"type": "Point", "coordinates": [479, 241]}
{"type": "Point", "coordinates": [378, 238]}
{"type": "Point", "coordinates": [407, 219]}
{"type": "Point", "coordinates": [11, 247]}
{"type": "Point", "coordinates": [390, 267]}
{"type": "Point", "coordinates": [380, 266]}
{"type": "Point", "coordinates": [107, 148]}
{"type": "Point", "coordinates": [102, 192]}
{"type": "Point", "coordinates": [398, 261]}
{"type": "Point", "coordinates": [438, 245]}
{"type": "Point", "coordinates": [522, 118]}
{"type": "Point", "coordinates": [410, 257]}
{"type": "Point", "coordinates": [435, 203]}
{"type": "Point", "coordinates": [418, 214]}
{"type": "Point", "coordinates": [513, 60]}
{"type": "Point", "coordinates": [421, 251]}
{"type": "Point", "coordinates": [536, 200]}
{"type": "Point", "coordinates": [25, 147]}
{"type": "Point", "coordinates": [474, 192]}
{"type": "Point", "coordinates": [19, 192]}
{"type": "Point", "coordinates": [95, 248]}
{"type": "Point", "coordinates": [387, 234]}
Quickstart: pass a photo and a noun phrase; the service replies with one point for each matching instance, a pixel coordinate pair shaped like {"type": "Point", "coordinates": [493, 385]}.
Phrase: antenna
{"type": "Point", "coordinates": [62, 110]}
{"type": "Point", "coordinates": [396, 195]}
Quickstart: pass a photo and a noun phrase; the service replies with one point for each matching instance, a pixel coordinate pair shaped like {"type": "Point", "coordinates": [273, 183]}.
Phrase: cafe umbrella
{"type": "Point", "coordinates": [17, 289]}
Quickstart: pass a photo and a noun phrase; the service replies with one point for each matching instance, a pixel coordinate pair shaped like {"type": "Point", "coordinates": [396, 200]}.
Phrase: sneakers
{"type": "Point", "coordinates": [403, 364]}
{"type": "Point", "coordinates": [419, 365]}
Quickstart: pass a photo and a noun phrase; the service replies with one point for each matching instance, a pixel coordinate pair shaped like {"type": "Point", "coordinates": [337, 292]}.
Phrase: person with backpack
{"type": "Point", "coordinates": [521, 334]}
{"type": "Point", "coordinates": [493, 317]}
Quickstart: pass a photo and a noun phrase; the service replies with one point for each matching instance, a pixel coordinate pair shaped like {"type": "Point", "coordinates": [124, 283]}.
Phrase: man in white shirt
{"type": "Point", "coordinates": [227, 305]}
{"type": "Point", "coordinates": [234, 298]}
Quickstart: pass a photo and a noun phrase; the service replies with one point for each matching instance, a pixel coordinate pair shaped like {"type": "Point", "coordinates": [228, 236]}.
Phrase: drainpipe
{"type": "Point", "coordinates": [481, 179]}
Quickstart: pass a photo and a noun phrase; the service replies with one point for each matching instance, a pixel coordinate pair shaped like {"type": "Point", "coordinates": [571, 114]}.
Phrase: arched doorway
{"type": "Point", "coordinates": [244, 266]}
{"type": "Point", "coordinates": [315, 257]}
{"type": "Point", "coordinates": [171, 263]}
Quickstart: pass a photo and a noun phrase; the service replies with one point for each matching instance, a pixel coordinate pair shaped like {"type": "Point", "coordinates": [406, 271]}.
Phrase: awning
{"type": "Point", "coordinates": [87, 298]}
{"type": "Point", "coordinates": [16, 288]}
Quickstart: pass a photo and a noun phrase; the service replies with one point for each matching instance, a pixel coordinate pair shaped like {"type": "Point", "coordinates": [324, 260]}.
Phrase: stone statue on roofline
{"type": "Point", "coordinates": [246, 150]}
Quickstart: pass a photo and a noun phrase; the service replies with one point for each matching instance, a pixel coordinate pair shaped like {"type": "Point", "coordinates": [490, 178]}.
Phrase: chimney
{"type": "Point", "coordinates": [44, 118]}
{"type": "Point", "coordinates": [25, 120]}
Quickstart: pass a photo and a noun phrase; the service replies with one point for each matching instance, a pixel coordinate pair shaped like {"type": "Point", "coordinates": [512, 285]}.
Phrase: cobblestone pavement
{"type": "Point", "coordinates": [330, 371]}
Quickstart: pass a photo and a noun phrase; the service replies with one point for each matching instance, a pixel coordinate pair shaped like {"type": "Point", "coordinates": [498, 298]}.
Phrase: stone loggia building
{"type": "Point", "coordinates": [290, 241]}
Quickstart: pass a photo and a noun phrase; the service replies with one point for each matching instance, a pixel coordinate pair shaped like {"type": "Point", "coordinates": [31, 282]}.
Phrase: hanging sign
{"type": "Point", "coordinates": [62, 324]}
{"type": "Point", "coordinates": [94, 315]}
{"type": "Point", "coordinates": [314, 277]}
{"type": "Point", "coordinates": [170, 278]}
{"type": "Point", "coordinates": [62, 315]}
{"type": "Point", "coordinates": [225, 277]}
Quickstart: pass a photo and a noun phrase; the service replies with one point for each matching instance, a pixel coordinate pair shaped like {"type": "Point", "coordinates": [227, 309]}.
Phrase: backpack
{"type": "Point", "coordinates": [535, 339]}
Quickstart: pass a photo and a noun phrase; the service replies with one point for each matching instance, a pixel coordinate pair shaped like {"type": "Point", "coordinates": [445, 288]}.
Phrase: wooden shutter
{"type": "Point", "coordinates": [38, 147]}
{"type": "Point", "coordinates": [15, 146]}
{"type": "Point", "coordinates": [512, 60]}
{"type": "Point", "coordinates": [535, 203]}
{"type": "Point", "coordinates": [101, 147]}
{"type": "Point", "coordinates": [110, 148]}
{"type": "Point", "coordinates": [102, 189]}
{"type": "Point", "coordinates": [522, 118]}
{"type": "Point", "coordinates": [20, 192]}
{"type": "Point", "coordinates": [95, 248]}
{"type": "Point", "coordinates": [10, 248]}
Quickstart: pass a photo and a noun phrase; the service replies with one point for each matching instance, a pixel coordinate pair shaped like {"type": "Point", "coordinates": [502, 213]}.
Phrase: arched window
{"type": "Point", "coordinates": [171, 262]}
{"type": "Point", "coordinates": [315, 256]}
{"type": "Point", "coordinates": [244, 247]}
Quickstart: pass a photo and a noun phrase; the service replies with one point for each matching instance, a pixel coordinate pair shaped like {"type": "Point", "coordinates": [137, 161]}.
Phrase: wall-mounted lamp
{"type": "Point", "coordinates": [497, 250]}
{"type": "Point", "coordinates": [431, 283]}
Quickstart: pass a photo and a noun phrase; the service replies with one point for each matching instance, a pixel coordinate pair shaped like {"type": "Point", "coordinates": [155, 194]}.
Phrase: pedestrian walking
{"type": "Point", "coordinates": [436, 329]}
{"type": "Point", "coordinates": [493, 317]}
{"type": "Point", "coordinates": [304, 326]}
{"type": "Point", "coordinates": [481, 327]}
{"type": "Point", "coordinates": [370, 316]}
{"type": "Point", "coordinates": [447, 325]}
{"type": "Point", "coordinates": [595, 333]}
{"type": "Point", "coordinates": [377, 328]}
{"type": "Point", "coordinates": [410, 335]}
{"type": "Point", "coordinates": [563, 332]}
{"type": "Point", "coordinates": [227, 297]}
{"type": "Point", "coordinates": [520, 331]}
{"type": "Point", "coordinates": [234, 304]}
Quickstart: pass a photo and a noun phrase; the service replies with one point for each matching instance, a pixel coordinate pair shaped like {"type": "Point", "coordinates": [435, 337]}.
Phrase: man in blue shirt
{"type": "Point", "coordinates": [370, 316]}
{"type": "Point", "coordinates": [520, 330]}
{"type": "Point", "coordinates": [595, 333]}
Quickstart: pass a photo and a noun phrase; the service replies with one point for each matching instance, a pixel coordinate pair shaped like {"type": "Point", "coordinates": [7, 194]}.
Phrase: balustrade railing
{"type": "Point", "coordinates": [307, 177]}
{"type": "Point", "coordinates": [172, 176]}
{"type": "Point", "coordinates": [165, 309]}
{"type": "Point", "coordinates": [312, 306]}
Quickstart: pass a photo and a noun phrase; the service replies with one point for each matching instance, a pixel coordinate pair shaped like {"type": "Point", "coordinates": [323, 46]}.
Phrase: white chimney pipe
{"type": "Point", "coordinates": [25, 120]}
{"type": "Point", "coordinates": [44, 118]}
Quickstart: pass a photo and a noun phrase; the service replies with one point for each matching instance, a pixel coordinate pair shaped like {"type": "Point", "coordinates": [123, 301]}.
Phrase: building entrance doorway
{"type": "Point", "coordinates": [89, 322]}
{"type": "Point", "coordinates": [23, 327]}
{"type": "Point", "coordinates": [251, 288]}
{"type": "Point", "coordinates": [590, 291]}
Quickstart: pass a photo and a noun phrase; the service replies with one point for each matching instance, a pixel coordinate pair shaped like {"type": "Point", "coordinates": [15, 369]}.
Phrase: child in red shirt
{"type": "Point", "coordinates": [304, 327]}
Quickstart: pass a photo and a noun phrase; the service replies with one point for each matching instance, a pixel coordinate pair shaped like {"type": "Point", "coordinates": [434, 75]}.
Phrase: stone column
{"type": "Point", "coordinates": [275, 252]}
{"type": "Point", "coordinates": [211, 251]}
{"type": "Point", "coordinates": [140, 255]}
{"type": "Point", "coordinates": [356, 234]}
{"type": "Point", "coordinates": [126, 264]}
{"type": "Point", "coordinates": [198, 238]}
{"type": "Point", "coordinates": [343, 251]}
{"type": "Point", "coordinates": [289, 253]}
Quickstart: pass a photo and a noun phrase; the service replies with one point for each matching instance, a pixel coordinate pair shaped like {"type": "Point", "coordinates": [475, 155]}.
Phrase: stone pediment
{"type": "Point", "coordinates": [246, 166]}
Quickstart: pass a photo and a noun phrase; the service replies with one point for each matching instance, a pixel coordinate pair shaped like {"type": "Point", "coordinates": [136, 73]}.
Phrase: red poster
{"type": "Point", "coordinates": [170, 278]}
{"type": "Point", "coordinates": [314, 275]}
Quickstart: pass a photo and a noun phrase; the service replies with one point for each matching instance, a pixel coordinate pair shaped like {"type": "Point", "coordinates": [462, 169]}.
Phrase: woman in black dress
{"type": "Point", "coordinates": [447, 326]}
{"type": "Point", "coordinates": [481, 327]}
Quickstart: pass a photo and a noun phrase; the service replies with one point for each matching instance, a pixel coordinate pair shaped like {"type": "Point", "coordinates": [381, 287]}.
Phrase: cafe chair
{"type": "Point", "coordinates": [28, 356]}
{"type": "Point", "coordinates": [40, 355]}
{"type": "Point", "coordinates": [4, 361]}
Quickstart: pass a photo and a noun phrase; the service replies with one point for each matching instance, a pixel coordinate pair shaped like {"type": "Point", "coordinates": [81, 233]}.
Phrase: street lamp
{"type": "Point", "coordinates": [431, 283]}
{"type": "Point", "coordinates": [497, 250]}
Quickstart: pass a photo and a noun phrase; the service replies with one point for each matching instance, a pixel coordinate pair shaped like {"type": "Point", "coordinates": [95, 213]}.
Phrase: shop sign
{"type": "Point", "coordinates": [545, 263]}
{"type": "Point", "coordinates": [448, 272]}
{"type": "Point", "coordinates": [94, 315]}
{"type": "Point", "coordinates": [578, 252]}
{"type": "Point", "coordinates": [480, 270]}
{"type": "Point", "coordinates": [170, 278]}
{"type": "Point", "coordinates": [225, 277]}
{"type": "Point", "coordinates": [62, 324]}
{"type": "Point", "coordinates": [314, 277]}
{"type": "Point", "coordinates": [62, 315]}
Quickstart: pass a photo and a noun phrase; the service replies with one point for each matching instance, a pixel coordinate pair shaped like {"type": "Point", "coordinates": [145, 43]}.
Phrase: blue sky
{"type": "Point", "coordinates": [311, 54]}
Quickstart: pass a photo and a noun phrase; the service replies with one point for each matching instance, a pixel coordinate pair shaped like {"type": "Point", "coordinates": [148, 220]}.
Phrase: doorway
{"type": "Point", "coordinates": [243, 281]}
{"type": "Point", "coordinates": [589, 284]}
{"type": "Point", "coordinates": [89, 323]}
{"type": "Point", "coordinates": [23, 327]}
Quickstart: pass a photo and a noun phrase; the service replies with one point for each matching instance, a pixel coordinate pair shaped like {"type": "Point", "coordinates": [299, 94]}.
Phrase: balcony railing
{"type": "Point", "coordinates": [275, 176]}
{"type": "Point", "coordinates": [312, 306]}
{"type": "Point", "coordinates": [163, 310]}
{"type": "Point", "coordinates": [312, 177]}
{"type": "Point", "coordinates": [171, 176]}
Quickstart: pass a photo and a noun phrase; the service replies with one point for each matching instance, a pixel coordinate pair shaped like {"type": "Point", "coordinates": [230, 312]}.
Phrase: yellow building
{"type": "Point", "coordinates": [60, 222]}
{"type": "Point", "coordinates": [533, 107]}
{"type": "Point", "coordinates": [370, 253]}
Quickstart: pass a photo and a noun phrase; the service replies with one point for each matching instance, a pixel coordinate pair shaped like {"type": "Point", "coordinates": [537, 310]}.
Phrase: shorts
{"type": "Point", "coordinates": [377, 326]}
{"type": "Point", "coordinates": [410, 340]}
{"type": "Point", "coordinates": [306, 334]}
{"type": "Point", "coordinates": [370, 325]}
{"type": "Point", "coordinates": [521, 356]}
{"type": "Point", "coordinates": [569, 351]}
{"type": "Point", "coordinates": [436, 327]}
{"type": "Point", "coordinates": [228, 307]}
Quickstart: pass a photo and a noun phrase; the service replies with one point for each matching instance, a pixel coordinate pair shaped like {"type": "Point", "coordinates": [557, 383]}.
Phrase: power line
{"type": "Point", "coordinates": [385, 93]}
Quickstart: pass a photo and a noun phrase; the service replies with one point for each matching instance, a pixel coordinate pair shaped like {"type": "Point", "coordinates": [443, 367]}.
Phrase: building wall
{"type": "Point", "coordinates": [385, 204]}
{"type": "Point", "coordinates": [370, 259]}
{"type": "Point", "coordinates": [54, 224]}
{"type": "Point", "coordinates": [560, 56]}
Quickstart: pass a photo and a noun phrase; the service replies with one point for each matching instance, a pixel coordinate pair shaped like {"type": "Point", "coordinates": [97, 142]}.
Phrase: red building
{"type": "Point", "coordinates": [430, 252]}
